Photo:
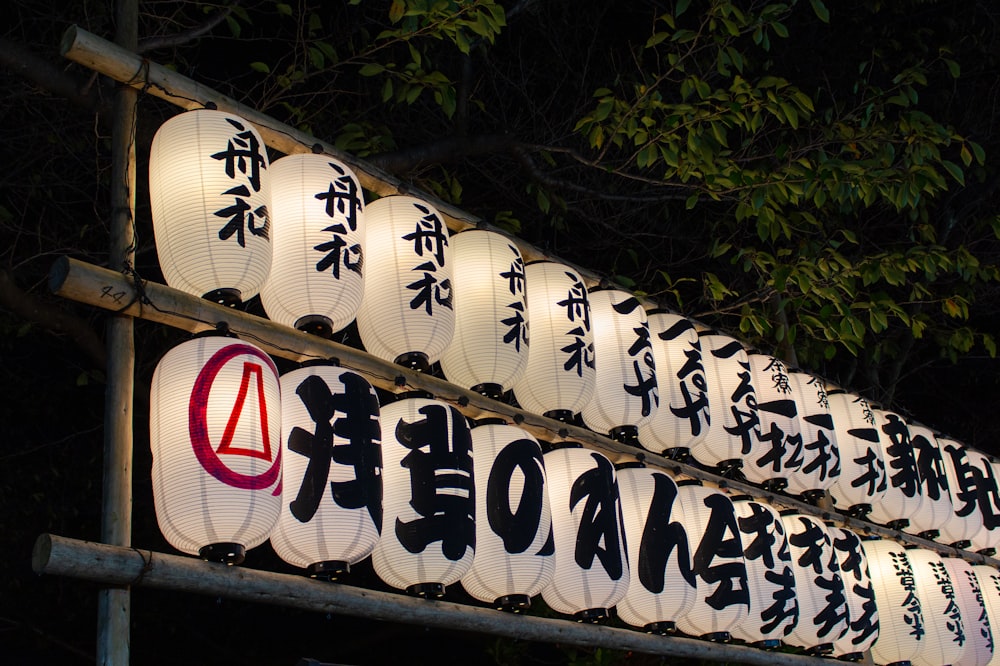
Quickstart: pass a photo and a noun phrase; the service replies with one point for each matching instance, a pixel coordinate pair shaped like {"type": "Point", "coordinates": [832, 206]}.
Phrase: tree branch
{"type": "Point", "coordinates": [22, 61]}
{"type": "Point", "coordinates": [182, 38]}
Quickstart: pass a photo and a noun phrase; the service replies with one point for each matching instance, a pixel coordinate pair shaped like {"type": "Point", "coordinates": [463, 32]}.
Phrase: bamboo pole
{"type": "Point", "coordinates": [116, 565]}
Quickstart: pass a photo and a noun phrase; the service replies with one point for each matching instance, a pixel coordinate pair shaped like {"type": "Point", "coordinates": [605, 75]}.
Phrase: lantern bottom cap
{"type": "Point", "coordinates": [625, 434]}
{"type": "Point", "coordinates": [768, 644]}
{"type": "Point", "coordinates": [820, 650]}
{"type": "Point", "coordinates": [426, 590]}
{"type": "Point", "coordinates": [859, 510]}
{"type": "Point", "coordinates": [961, 544]}
{"type": "Point", "coordinates": [678, 453]}
{"type": "Point", "coordinates": [488, 389]}
{"type": "Point", "coordinates": [729, 466]}
{"type": "Point", "coordinates": [225, 552]}
{"type": "Point", "coordinates": [592, 615]}
{"type": "Point", "coordinates": [813, 496]}
{"type": "Point", "coordinates": [564, 415]}
{"type": "Point", "coordinates": [329, 570]}
{"type": "Point", "coordinates": [930, 535]}
{"type": "Point", "coordinates": [318, 325]}
{"type": "Point", "coordinates": [416, 361]}
{"type": "Point", "coordinates": [231, 298]}
{"type": "Point", "coordinates": [775, 485]}
{"type": "Point", "coordinates": [661, 628]}
{"type": "Point", "coordinates": [513, 603]}
{"type": "Point", "coordinates": [852, 656]}
{"type": "Point", "coordinates": [900, 524]}
{"type": "Point", "coordinates": [717, 636]}
{"type": "Point", "coordinates": [988, 552]}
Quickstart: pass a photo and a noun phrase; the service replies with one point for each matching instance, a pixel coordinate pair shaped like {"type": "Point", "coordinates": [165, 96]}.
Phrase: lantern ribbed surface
{"type": "Point", "coordinates": [490, 345]}
{"type": "Point", "coordinates": [862, 610]}
{"type": "Point", "coordinates": [943, 620]}
{"type": "Point", "coordinates": [779, 422]}
{"type": "Point", "coordinates": [902, 496]}
{"type": "Point", "coordinates": [591, 567]}
{"type": "Point", "coordinates": [408, 306]}
{"type": "Point", "coordinates": [215, 434]}
{"type": "Point", "coordinates": [318, 227]}
{"type": "Point", "coordinates": [514, 548]}
{"type": "Point", "coordinates": [965, 521]}
{"type": "Point", "coordinates": [862, 479]}
{"type": "Point", "coordinates": [817, 465]}
{"type": "Point", "coordinates": [682, 419]}
{"type": "Point", "coordinates": [988, 501]}
{"type": "Point", "coordinates": [663, 584]}
{"type": "Point", "coordinates": [429, 495]}
{"type": "Point", "coordinates": [902, 618]}
{"type": "Point", "coordinates": [625, 391]}
{"type": "Point", "coordinates": [209, 194]}
{"type": "Point", "coordinates": [989, 585]}
{"type": "Point", "coordinates": [935, 496]}
{"type": "Point", "coordinates": [560, 371]}
{"type": "Point", "coordinates": [979, 647]}
{"type": "Point", "coordinates": [331, 509]}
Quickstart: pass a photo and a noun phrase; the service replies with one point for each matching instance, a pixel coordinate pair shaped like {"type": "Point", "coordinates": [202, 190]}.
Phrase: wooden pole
{"type": "Point", "coordinates": [130, 566]}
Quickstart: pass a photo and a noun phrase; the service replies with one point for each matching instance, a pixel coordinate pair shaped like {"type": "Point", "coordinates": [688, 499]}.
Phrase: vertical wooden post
{"type": "Point", "coordinates": [114, 603]}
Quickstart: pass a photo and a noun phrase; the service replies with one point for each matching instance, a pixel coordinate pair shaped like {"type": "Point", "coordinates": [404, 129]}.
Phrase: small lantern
{"type": "Point", "coordinates": [209, 194]}
{"type": "Point", "coordinates": [318, 217]}
{"type": "Point", "coordinates": [862, 481]}
{"type": "Point", "coordinates": [625, 394]}
{"type": "Point", "coordinates": [559, 378]}
{"type": "Point", "coordinates": [965, 521]}
{"type": "Point", "coordinates": [978, 649]}
{"type": "Point", "coordinates": [663, 584]}
{"type": "Point", "coordinates": [943, 620]}
{"type": "Point", "coordinates": [817, 467]}
{"type": "Point", "coordinates": [723, 599]}
{"type": "Point", "coordinates": [429, 502]}
{"type": "Point", "coordinates": [490, 348]}
{"type": "Point", "coordinates": [860, 592]}
{"type": "Point", "coordinates": [514, 545]}
{"type": "Point", "coordinates": [215, 434]}
{"type": "Point", "coordinates": [591, 568]}
{"type": "Point", "coordinates": [407, 315]}
{"type": "Point", "coordinates": [902, 617]}
{"type": "Point", "coordinates": [989, 586]}
{"type": "Point", "coordinates": [987, 539]}
{"type": "Point", "coordinates": [682, 419]}
{"type": "Point", "coordinates": [779, 423]}
{"type": "Point", "coordinates": [935, 497]}
{"type": "Point", "coordinates": [902, 496]}
{"type": "Point", "coordinates": [774, 608]}
{"type": "Point", "coordinates": [331, 509]}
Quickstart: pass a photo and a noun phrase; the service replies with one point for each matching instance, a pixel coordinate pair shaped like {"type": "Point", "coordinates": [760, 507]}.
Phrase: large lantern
{"type": "Point", "coordinates": [318, 225]}
{"type": "Point", "coordinates": [860, 592]}
{"type": "Point", "coordinates": [407, 315]}
{"type": "Point", "coordinates": [591, 573]}
{"type": "Point", "coordinates": [209, 195]}
{"type": "Point", "coordinates": [779, 423]}
{"type": "Point", "coordinates": [663, 584]}
{"type": "Point", "coordinates": [490, 347]}
{"type": "Point", "coordinates": [902, 618]}
{"type": "Point", "coordinates": [979, 647]}
{"type": "Point", "coordinates": [989, 586]}
{"type": "Point", "coordinates": [559, 378]}
{"type": "Point", "coordinates": [935, 496]}
{"type": "Point", "coordinates": [331, 509]}
{"type": "Point", "coordinates": [215, 434]}
{"type": "Point", "coordinates": [816, 467]}
{"type": "Point", "coordinates": [625, 394]}
{"type": "Point", "coordinates": [862, 481]}
{"type": "Point", "coordinates": [774, 608]}
{"type": "Point", "coordinates": [965, 521]}
{"type": "Point", "coordinates": [723, 599]}
{"type": "Point", "coordinates": [429, 497]}
{"type": "Point", "coordinates": [902, 496]}
{"type": "Point", "coordinates": [987, 538]}
{"type": "Point", "coordinates": [514, 551]}
{"type": "Point", "coordinates": [683, 417]}
{"type": "Point", "coordinates": [944, 623]}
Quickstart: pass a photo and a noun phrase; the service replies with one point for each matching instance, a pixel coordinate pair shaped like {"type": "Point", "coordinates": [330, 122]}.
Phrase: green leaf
{"type": "Point", "coordinates": [371, 69]}
{"type": "Point", "coordinates": [261, 67]}
{"type": "Point", "coordinates": [283, 9]}
{"type": "Point", "coordinates": [691, 202]}
{"type": "Point", "coordinates": [966, 155]}
{"type": "Point", "coordinates": [954, 170]}
{"type": "Point", "coordinates": [953, 68]}
{"type": "Point", "coordinates": [682, 6]}
{"type": "Point", "coordinates": [821, 11]}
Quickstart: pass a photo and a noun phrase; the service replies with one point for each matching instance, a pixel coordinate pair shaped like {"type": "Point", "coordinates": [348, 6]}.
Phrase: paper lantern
{"type": "Point", "coordinates": [625, 393]}
{"type": "Point", "coordinates": [862, 611]}
{"type": "Point", "coordinates": [663, 585]}
{"type": "Point", "coordinates": [559, 378]}
{"type": "Point", "coordinates": [823, 612]}
{"type": "Point", "coordinates": [965, 521]}
{"type": "Point", "coordinates": [989, 586]}
{"type": "Point", "coordinates": [902, 623]}
{"type": "Point", "coordinates": [943, 619]}
{"type": "Point", "coordinates": [935, 497]}
{"type": "Point", "coordinates": [862, 481]}
{"type": "Point", "coordinates": [682, 419]}
{"type": "Point", "coordinates": [778, 430]}
{"type": "Point", "coordinates": [978, 648]}
{"type": "Point", "coordinates": [489, 350]}
{"type": "Point", "coordinates": [816, 467]}
{"type": "Point", "coordinates": [514, 545]}
{"type": "Point", "coordinates": [209, 195]}
{"type": "Point", "coordinates": [215, 434]}
{"type": "Point", "coordinates": [331, 508]}
{"type": "Point", "coordinates": [774, 608]}
{"type": "Point", "coordinates": [987, 538]}
{"type": "Point", "coordinates": [429, 497]}
{"type": "Point", "coordinates": [318, 226]}
{"type": "Point", "coordinates": [591, 568]}
{"type": "Point", "coordinates": [723, 599]}
{"type": "Point", "coordinates": [407, 315]}
{"type": "Point", "coordinates": [902, 496]}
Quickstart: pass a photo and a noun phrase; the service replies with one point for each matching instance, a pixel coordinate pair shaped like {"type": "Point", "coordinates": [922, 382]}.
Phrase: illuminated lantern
{"type": "Point", "coordinates": [723, 598]}
{"type": "Point", "coordinates": [209, 195]}
{"type": "Point", "coordinates": [987, 538]}
{"type": "Point", "coordinates": [823, 610]}
{"type": "Point", "coordinates": [774, 609]}
{"type": "Point", "coordinates": [817, 466]}
{"type": "Point", "coordinates": [902, 618]}
{"type": "Point", "coordinates": [978, 649]}
{"type": "Point", "coordinates": [663, 584]}
{"type": "Point", "coordinates": [862, 481]}
{"type": "Point", "coordinates": [861, 608]}
{"type": "Point", "coordinates": [625, 394]}
{"type": "Point", "coordinates": [591, 573]}
{"type": "Point", "coordinates": [902, 496]}
{"type": "Point", "coordinates": [732, 435]}
{"type": "Point", "coordinates": [779, 423]}
{"type": "Point", "coordinates": [331, 509]}
{"type": "Point", "coordinates": [935, 497]}
{"type": "Point", "coordinates": [215, 434]}
{"type": "Point", "coordinates": [966, 520]}
{"type": "Point", "coordinates": [429, 498]}
{"type": "Point", "coordinates": [682, 419]}
{"type": "Point", "coordinates": [318, 226]}
{"type": "Point", "coordinates": [989, 586]}
{"type": "Point", "coordinates": [490, 347]}
{"type": "Point", "coordinates": [407, 315]}
{"type": "Point", "coordinates": [514, 549]}
{"type": "Point", "coordinates": [943, 621]}
{"type": "Point", "coordinates": [559, 378]}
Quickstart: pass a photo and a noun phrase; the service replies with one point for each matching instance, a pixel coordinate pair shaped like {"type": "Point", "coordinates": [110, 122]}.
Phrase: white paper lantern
{"type": "Point", "coordinates": [215, 434]}
{"type": "Point", "coordinates": [407, 315]}
{"type": "Point", "coordinates": [978, 649]}
{"type": "Point", "coordinates": [209, 195]}
{"type": "Point", "coordinates": [723, 599]}
{"type": "Point", "coordinates": [683, 417]}
{"type": "Point", "coordinates": [559, 378]}
{"type": "Point", "coordinates": [774, 608]}
{"type": "Point", "coordinates": [663, 584]}
{"type": "Point", "coordinates": [987, 538]}
{"type": "Point", "coordinates": [902, 617]}
{"type": "Point", "coordinates": [862, 609]}
{"type": "Point", "coordinates": [778, 430]}
{"type": "Point", "coordinates": [966, 520]}
{"type": "Point", "coordinates": [862, 481]}
{"type": "Point", "coordinates": [429, 497]}
{"type": "Point", "coordinates": [816, 467]}
{"type": "Point", "coordinates": [318, 227]}
{"type": "Point", "coordinates": [514, 544]}
{"type": "Point", "coordinates": [902, 496]}
{"type": "Point", "coordinates": [331, 509]}
{"type": "Point", "coordinates": [945, 626]}
{"type": "Point", "coordinates": [625, 394]}
{"type": "Point", "coordinates": [989, 585]}
{"type": "Point", "coordinates": [591, 567]}
{"type": "Point", "coordinates": [935, 496]}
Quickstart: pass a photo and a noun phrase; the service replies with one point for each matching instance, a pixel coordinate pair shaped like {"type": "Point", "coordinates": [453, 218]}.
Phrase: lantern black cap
{"type": "Point", "coordinates": [490, 420]}
{"type": "Point", "coordinates": [489, 390]}
{"type": "Point", "coordinates": [416, 361]}
{"type": "Point", "coordinates": [718, 637]}
{"type": "Point", "coordinates": [678, 453]}
{"type": "Point", "coordinates": [859, 510]}
{"type": "Point", "coordinates": [318, 325]}
{"type": "Point", "coordinates": [821, 650]}
{"type": "Point", "coordinates": [930, 535]}
{"type": "Point", "coordinates": [231, 298]}
{"type": "Point", "coordinates": [775, 485]}
{"type": "Point", "coordinates": [592, 615]}
{"type": "Point", "coordinates": [661, 628]}
{"type": "Point", "coordinates": [563, 415]}
{"type": "Point", "coordinates": [224, 552]}
{"type": "Point", "coordinates": [329, 570]}
{"type": "Point", "coordinates": [769, 644]}
{"type": "Point", "coordinates": [626, 434]}
{"type": "Point", "coordinates": [852, 656]}
{"type": "Point", "coordinates": [426, 590]}
{"type": "Point", "coordinates": [513, 603]}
